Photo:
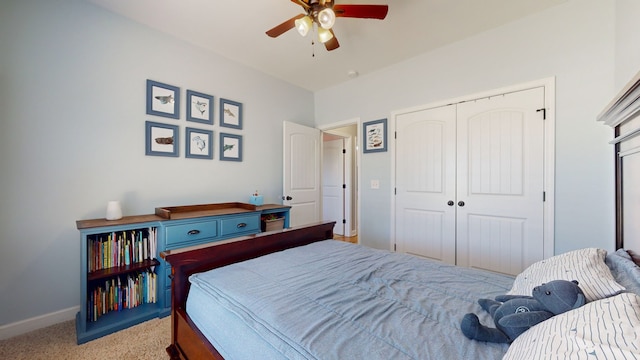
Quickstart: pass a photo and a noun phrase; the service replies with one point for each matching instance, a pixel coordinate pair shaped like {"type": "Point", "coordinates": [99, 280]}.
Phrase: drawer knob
{"type": "Point", "coordinates": [193, 232]}
{"type": "Point", "coordinates": [241, 225]}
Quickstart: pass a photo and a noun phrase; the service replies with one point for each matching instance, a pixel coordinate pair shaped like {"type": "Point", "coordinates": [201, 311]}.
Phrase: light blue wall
{"type": "Point", "coordinates": [627, 41]}
{"type": "Point", "coordinates": [72, 112]}
{"type": "Point", "coordinates": [573, 42]}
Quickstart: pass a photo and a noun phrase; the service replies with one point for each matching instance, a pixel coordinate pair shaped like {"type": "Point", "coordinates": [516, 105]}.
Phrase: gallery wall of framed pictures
{"type": "Point", "coordinates": [163, 135]}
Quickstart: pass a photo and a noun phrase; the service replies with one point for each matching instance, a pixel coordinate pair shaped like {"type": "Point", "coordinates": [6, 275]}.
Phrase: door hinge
{"type": "Point", "coordinates": [344, 151]}
{"type": "Point", "coordinates": [544, 113]}
{"type": "Point", "coordinates": [395, 134]}
{"type": "Point", "coordinates": [344, 186]}
{"type": "Point", "coordinates": [394, 247]}
{"type": "Point", "coordinates": [544, 196]}
{"type": "Point", "coordinates": [344, 221]}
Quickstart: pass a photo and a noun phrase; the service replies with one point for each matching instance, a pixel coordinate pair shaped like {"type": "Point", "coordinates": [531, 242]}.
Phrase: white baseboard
{"type": "Point", "coordinates": [38, 322]}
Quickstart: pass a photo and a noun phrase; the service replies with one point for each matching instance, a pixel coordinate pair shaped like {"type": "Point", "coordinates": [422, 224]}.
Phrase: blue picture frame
{"type": "Point", "coordinates": [161, 139]}
{"type": "Point", "coordinates": [230, 147]}
{"type": "Point", "coordinates": [374, 136]}
{"type": "Point", "coordinates": [230, 114]}
{"type": "Point", "coordinates": [163, 99]}
{"type": "Point", "coordinates": [198, 143]}
{"type": "Point", "coordinates": [199, 107]}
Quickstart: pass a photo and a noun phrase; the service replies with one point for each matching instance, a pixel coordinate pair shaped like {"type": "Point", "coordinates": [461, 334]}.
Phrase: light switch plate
{"type": "Point", "coordinates": [375, 184]}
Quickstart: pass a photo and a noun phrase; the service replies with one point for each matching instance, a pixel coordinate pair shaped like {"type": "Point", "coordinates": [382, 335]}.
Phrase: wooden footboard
{"type": "Point", "coordinates": [187, 342]}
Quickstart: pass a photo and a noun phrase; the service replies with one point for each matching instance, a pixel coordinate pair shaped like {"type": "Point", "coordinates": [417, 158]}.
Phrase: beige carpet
{"type": "Point", "coordinates": [143, 341]}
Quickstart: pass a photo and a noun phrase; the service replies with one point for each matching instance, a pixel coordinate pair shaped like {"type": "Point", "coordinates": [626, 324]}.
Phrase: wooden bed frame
{"type": "Point", "coordinates": [187, 342]}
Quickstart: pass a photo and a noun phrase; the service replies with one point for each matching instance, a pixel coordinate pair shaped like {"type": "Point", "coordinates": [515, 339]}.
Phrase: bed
{"type": "Point", "coordinates": [317, 298]}
{"type": "Point", "coordinates": [297, 294]}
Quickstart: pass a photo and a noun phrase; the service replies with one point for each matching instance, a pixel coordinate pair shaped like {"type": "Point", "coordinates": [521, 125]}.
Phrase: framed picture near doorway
{"type": "Point", "coordinates": [374, 136]}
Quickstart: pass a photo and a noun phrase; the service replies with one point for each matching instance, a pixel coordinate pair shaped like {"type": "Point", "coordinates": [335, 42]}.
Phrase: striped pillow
{"type": "Point", "coordinates": [604, 329]}
{"type": "Point", "coordinates": [585, 265]}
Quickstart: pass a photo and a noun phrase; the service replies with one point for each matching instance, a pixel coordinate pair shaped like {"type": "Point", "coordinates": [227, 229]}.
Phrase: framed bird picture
{"type": "Point", "coordinates": [199, 143]}
{"type": "Point", "coordinates": [230, 114]}
{"type": "Point", "coordinates": [163, 99]}
{"type": "Point", "coordinates": [230, 147]}
{"type": "Point", "coordinates": [199, 107]}
{"type": "Point", "coordinates": [161, 139]}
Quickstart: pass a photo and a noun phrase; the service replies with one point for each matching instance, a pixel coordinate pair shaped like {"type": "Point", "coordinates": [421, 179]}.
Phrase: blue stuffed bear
{"type": "Point", "coordinates": [515, 314]}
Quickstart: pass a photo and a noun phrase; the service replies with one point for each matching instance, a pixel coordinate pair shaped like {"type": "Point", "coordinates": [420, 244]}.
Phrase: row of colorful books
{"type": "Point", "coordinates": [120, 293]}
{"type": "Point", "coordinates": [121, 248]}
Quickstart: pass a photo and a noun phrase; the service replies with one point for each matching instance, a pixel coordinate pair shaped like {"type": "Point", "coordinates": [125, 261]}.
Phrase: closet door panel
{"type": "Point", "coordinates": [425, 183]}
{"type": "Point", "coordinates": [500, 154]}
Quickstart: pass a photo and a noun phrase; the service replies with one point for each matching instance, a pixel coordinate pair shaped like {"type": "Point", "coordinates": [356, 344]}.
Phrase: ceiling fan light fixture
{"type": "Point", "coordinates": [326, 18]}
{"type": "Point", "coordinates": [303, 25]}
{"type": "Point", "coordinates": [324, 35]}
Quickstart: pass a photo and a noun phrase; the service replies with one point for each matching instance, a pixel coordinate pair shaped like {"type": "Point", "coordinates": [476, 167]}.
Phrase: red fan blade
{"type": "Point", "coordinates": [361, 11]}
{"type": "Point", "coordinates": [284, 27]}
{"type": "Point", "coordinates": [333, 43]}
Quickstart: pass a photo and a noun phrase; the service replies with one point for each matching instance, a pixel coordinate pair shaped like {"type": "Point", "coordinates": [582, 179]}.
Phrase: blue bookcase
{"type": "Point", "coordinates": [123, 280]}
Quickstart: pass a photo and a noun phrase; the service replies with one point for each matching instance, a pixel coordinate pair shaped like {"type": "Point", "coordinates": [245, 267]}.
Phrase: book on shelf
{"type": "Point", "coordinates": [121, 248]}
{"type": "Point", "coordinates": [121, 292]}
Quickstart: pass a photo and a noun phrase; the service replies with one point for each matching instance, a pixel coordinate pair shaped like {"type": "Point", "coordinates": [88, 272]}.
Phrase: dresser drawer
{"type": "Point", "coordinates": [178, 234]}
{"type": "Point", "coordinates": [240, 225]}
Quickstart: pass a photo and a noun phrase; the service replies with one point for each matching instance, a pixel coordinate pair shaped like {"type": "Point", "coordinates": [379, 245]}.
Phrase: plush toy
{"type": "Point", "coordinates": [515, 314]}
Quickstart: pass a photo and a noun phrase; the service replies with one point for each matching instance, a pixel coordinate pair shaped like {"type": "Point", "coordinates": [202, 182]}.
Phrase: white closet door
{"type": "Point", "coordinates": [500, 176]}
{"type": "Point", "coordinates": [425, 183]}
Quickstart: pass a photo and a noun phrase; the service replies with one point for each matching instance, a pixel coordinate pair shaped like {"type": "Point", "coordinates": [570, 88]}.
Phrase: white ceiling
{"type": "Point", "coordinates": [236, 29]}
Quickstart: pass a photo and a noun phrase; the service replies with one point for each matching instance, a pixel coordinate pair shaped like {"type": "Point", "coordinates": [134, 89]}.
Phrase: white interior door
{"type": "Point", "coordinates": [500, 186]}
{"type": "Point", "coordinates": [301, 178]}
{"type": "Point", "coordinates": [333, 181]}
{"type": "Point", "coordinates": [350, 193]}
{"type": "Point", "coordinates": [426, 183]}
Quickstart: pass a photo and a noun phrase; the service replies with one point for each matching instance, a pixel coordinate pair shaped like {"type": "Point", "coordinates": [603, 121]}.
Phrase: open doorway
{"type": "Point", "coordinates": [340, 179]}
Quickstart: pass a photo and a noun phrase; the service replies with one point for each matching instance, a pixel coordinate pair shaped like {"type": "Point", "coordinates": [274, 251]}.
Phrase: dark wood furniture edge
{"type": "Point", "coordinates": [187, 342]}
{"type": "Point", "coordinates": [180, 212]}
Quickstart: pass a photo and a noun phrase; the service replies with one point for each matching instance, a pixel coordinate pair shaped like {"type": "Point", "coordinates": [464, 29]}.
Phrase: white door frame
{"type": "Point", "coordinates": [549, 149]}
{"type": "Point", "coordinates": [339, 124]}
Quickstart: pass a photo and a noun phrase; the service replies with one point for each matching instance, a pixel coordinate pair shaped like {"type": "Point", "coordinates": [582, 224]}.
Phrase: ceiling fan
{"type": "Point", "coordinates": [323, 14]}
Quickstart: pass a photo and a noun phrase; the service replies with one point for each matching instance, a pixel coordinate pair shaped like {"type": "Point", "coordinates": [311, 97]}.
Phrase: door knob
{"type": "Point", "coordinates": [287, 197]}
{"type": "Point", "coordinates": [460, 203]}
{"type": "Point", "coordinates": [450, 203]}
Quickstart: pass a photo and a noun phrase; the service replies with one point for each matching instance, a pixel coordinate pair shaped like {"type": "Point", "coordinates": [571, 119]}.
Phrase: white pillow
{"type": "Point", "coordinates": [603, 329]}
{"type": "Point", "coordinates": [585, 265]}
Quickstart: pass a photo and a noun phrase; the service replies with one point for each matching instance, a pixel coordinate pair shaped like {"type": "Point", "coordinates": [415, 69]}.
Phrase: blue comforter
{"type": "Point", "coordinates": [335, 300]}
